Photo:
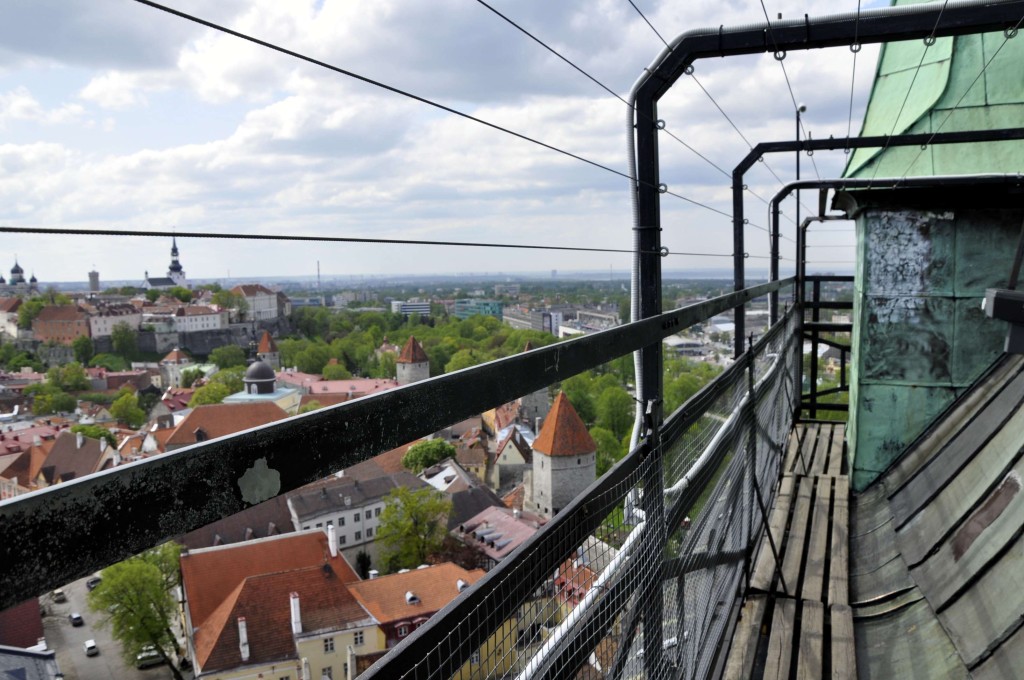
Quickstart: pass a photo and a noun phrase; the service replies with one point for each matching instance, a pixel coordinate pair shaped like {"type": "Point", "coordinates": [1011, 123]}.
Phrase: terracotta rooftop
{"type": "Point", "coordinates": [210, 575]}
{"type": "Point", "coordinates": [267, 344]}
{"type": "Point", "coordinates": [387, 463]}
{"type": "Point", "coordinates": [435, 586]}
{"type": "Point", "coordinates": [220, 420]}
{"type": "Point", "coordinates": [325, 603]}
{"type": "Point", "coordinates": [61, 313]}
{"type": "Point", "coordinates": [564, 433]}
{"type": "Point", "coordinates": [515, 497]}
{"type": "Point", "coordinates": [412, 353]}
{"type": "Point", "coordinates": [252, 289]}
{"type": "Point", "coordinates": [9, 304]}
{"type": "Point", "coordinates": [176, 356]}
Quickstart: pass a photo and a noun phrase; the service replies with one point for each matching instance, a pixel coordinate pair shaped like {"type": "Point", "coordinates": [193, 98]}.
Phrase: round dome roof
{"type": "Point", "coordinates": [16, 269]}
{"type": "Point", "coordinates": [33, 279]}
{"type": "Point", "coordinates": [259, 371]}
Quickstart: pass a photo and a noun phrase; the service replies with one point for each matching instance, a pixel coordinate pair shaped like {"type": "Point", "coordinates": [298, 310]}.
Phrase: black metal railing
{"type": "Point", "coordinates": [818, 332]}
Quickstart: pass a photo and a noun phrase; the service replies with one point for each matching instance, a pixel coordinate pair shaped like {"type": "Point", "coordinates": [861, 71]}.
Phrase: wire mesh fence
{"type": "Point", "coordinates": [640, 576]}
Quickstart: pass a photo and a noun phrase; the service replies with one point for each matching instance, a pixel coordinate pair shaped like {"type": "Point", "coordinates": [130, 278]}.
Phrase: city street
{"type": "Point", "coordinates": [67, 641]}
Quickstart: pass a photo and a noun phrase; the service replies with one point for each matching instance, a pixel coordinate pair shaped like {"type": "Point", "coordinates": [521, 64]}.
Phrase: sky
{"type": "Point", "coordinates": [115, 115]}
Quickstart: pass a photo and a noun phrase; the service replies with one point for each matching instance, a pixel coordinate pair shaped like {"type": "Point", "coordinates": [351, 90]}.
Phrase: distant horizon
{"type": "Point", "coordinates": [465, 277]}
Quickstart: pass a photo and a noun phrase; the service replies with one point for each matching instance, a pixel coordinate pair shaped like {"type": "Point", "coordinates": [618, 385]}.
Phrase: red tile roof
{"type": "Point", "coordinates": [252, 289]}
{"type": "Point", "coordinates": [387, 463]}
{"type": "Point", "coordinates": [514, 498]}
{"type": "Point", "coordinates": [325, 603]}
{"type": "Point", "coordinates": [8, 305]}
{"type": "Point", "coordinates": [412, 353]}
{"type": "Point", "coordinates": [564, 433]}
{"type": "Point", "coordinates": [219, 420]}
{"type": "Point", "coordinates": [209, 576]}
{"type": "Point", "coordinates": [176, 356]}
{"type": "Point", "coordinates": [267, 344]}
{"type": "Point", "coordinates": [385, 597]}
{"type": "Point", "coordinates": [61, 313]}
{"type": "Point", "coordinates": [496, 531]}
{"type": "Point", "coordinates": [21, 626]}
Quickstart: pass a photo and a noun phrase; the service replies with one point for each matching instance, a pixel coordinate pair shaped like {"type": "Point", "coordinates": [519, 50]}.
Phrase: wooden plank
{"type": "Point", "coordinates": [821, 450]}
{"type": "Point", "coordinates": [764, 567]}
{"type": "Point", "coordinates": [809, 664]}
{"type": "Point", "coordinates": [797, 535]}
{"type": "Point", "coordinates": [817, 546]}
{"type": "Point", "coordinates": [844, 654]}
{"type": "Point", "coordinates": [838, 584]}
{"type": "Point", "coordinates": [780, 644]}
{"type": "Point", "coordinates": [743, 651]}
{"type": "Point", "coordinates": [795, 436]}
{"type": "Point", "coordinates": [805, 464]}
{"type": "Point", "coordinates": [835, 456]}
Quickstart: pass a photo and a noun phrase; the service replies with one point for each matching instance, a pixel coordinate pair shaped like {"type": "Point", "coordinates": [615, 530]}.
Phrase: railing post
{"type": "Point", "coordinates": [652, 546]}
{"type": "Point", "coordinates": [815, 317]}
{"type": "Point", "coordinates": [738, 257]}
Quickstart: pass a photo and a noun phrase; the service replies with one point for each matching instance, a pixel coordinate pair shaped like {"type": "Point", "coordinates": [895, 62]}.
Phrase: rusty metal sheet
{"type": "Point", "coordinates": [980, 618]}
{"type": "Point", "coordinates": [966, 553]}
{"type": "Point", "coordinates": [918, 537]}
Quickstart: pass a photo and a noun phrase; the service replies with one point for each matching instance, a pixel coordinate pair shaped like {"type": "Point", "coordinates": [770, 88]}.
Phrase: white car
{"type": "Point", "coordinates": [90, 648]}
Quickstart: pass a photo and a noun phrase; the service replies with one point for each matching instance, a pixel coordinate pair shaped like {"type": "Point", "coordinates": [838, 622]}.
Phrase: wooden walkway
{"type": "Point", "coordinates": [796, 621]}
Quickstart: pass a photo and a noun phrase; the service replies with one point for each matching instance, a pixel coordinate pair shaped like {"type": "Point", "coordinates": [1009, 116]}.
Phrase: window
{"type": "Point", "coordinates": [355, 517]}
{"type": "Point", "coordinates": [330, 522]}
{"type": "Point", "coordinates": [328, 645]}
{"type": "Point", "coordinates": [328, 673]}
{"type": "Point", "coordinates": [376, 513]}
{"type": "Point", "coordinates": [319, 525]}
{"type": "Point", "coordinates": [341, 521]}
{"type": "Point", "coordinates": [367, 515]}
{"type": "Point", "coordinates": [475, 658]}
{"type": "Point", "coordinates": [344, 669]}
{"type": "Point", "coordinates": [359, 535]}
{"type": "Point", "coordinates": [369, 532]}
{"type": "Point", "coordinates": [403, 631]}
{"type": "Point", "coordinates": [357, 638]}
{"type": "Point", "coordinates": [306, 527]}
{"type": "Point", "coordinates": [342, 540]}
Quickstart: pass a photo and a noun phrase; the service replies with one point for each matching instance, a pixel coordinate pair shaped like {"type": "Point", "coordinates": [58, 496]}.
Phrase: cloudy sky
{"type": "Point", "coordinates": [116, 115]}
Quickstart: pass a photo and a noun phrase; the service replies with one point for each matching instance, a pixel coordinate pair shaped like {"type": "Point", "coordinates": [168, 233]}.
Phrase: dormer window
{"type": "Point", "coordinates": [411, 598]}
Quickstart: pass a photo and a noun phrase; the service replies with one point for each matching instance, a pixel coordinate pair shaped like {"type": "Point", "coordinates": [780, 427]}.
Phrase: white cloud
{"type": "Point", "coordinates": [19, 105]}
{"type": "Point", "coordinates": [122, 90]}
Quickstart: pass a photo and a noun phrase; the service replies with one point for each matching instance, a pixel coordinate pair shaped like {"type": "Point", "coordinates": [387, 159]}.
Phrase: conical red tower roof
{"type": "Point", "coordinates": [413, 353]}
{"type": "Point", "coordinates": [564, 433]}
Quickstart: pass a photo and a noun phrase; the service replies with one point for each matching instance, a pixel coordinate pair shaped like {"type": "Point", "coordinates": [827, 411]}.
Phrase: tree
{"type": "Point", "coordinates": [190, 375]}
{"type": "Point", "coordinates": [47, 399]}
{"type": "Point", "coordinates": [313, 358]}
{"type": "Point", "coordinates": [28, 311]}
{"type": "Point", "coordinates": [153, 294]}
{"type": "Point", "coordinates": [422, 455]}
{"type": "Point", "coordinates": [110, 362]}
{"type": "Point", "coordinates": [228, 356]}
{"type": "Point", "coordinates": [464, 358]}
{"type": "Point", "coordinates": [310, 406]}
{"type": "Point", "coordinates": [336, 372]}
{"type": "Point", "coordinates": [125, 340]}
{"type": "Point", "coordinates": [126, 409]}
{"type": "Point", "coordinates": [74, 377]}
{"type": "Point", "coordinates": [412, 526]}
{"type": "Point", "coordinates": [615, 411]}
{"type": "Point", "coordinates": [228, 300]}
{"type": "Point", "coordinates": [83, 348]}
{"type": "Point", "coordinates": [96, 432]}
{"type": "Point", "coordinates": [136, 598]}
{"type": "Point", "coordinates": [213, 393]}
{"type": "Point", "coordinates": [609, 449]}
{"type": "Point", "coordinates": [183, 294]}
{"type": "Point", "coordinates": [230, 378]}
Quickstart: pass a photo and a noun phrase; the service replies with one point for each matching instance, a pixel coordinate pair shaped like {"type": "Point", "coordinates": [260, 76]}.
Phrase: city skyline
{"type": "Point", "coordinates": [119, 116]}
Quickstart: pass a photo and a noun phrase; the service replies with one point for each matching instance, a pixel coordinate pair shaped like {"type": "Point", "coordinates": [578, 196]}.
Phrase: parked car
{"type": "Point", "coordinates": [93, 582]}
{"type": "Point", "coordinates": [59, 596]}
{"type": "Point", "coordinates": [148, 657]}
{"type": "Point", "coordinates": [76, 619]}
{"type": "Point", "coordinates": [90, 648]}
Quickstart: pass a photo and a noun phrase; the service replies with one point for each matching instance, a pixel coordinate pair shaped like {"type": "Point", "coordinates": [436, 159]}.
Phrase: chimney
{"type": "Point", "coordinates": [517, 513]}
{"type": "Point", "coordinates": [296, 615]}
{"type": "Point", "coordinates": [243, 639]}
{"type": "Point", "coordinates": [79, 440]}
{"type": "Point", "coordinates": [306, 674]}
{"type": "Point", "coordinates": [374, 574]}
{"type": "Point", "coordinates": [332, 539]}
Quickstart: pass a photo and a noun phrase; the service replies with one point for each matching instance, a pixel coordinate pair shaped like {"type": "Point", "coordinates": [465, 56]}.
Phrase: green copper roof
{"type": "Point", "coordinates": [946, 95]}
